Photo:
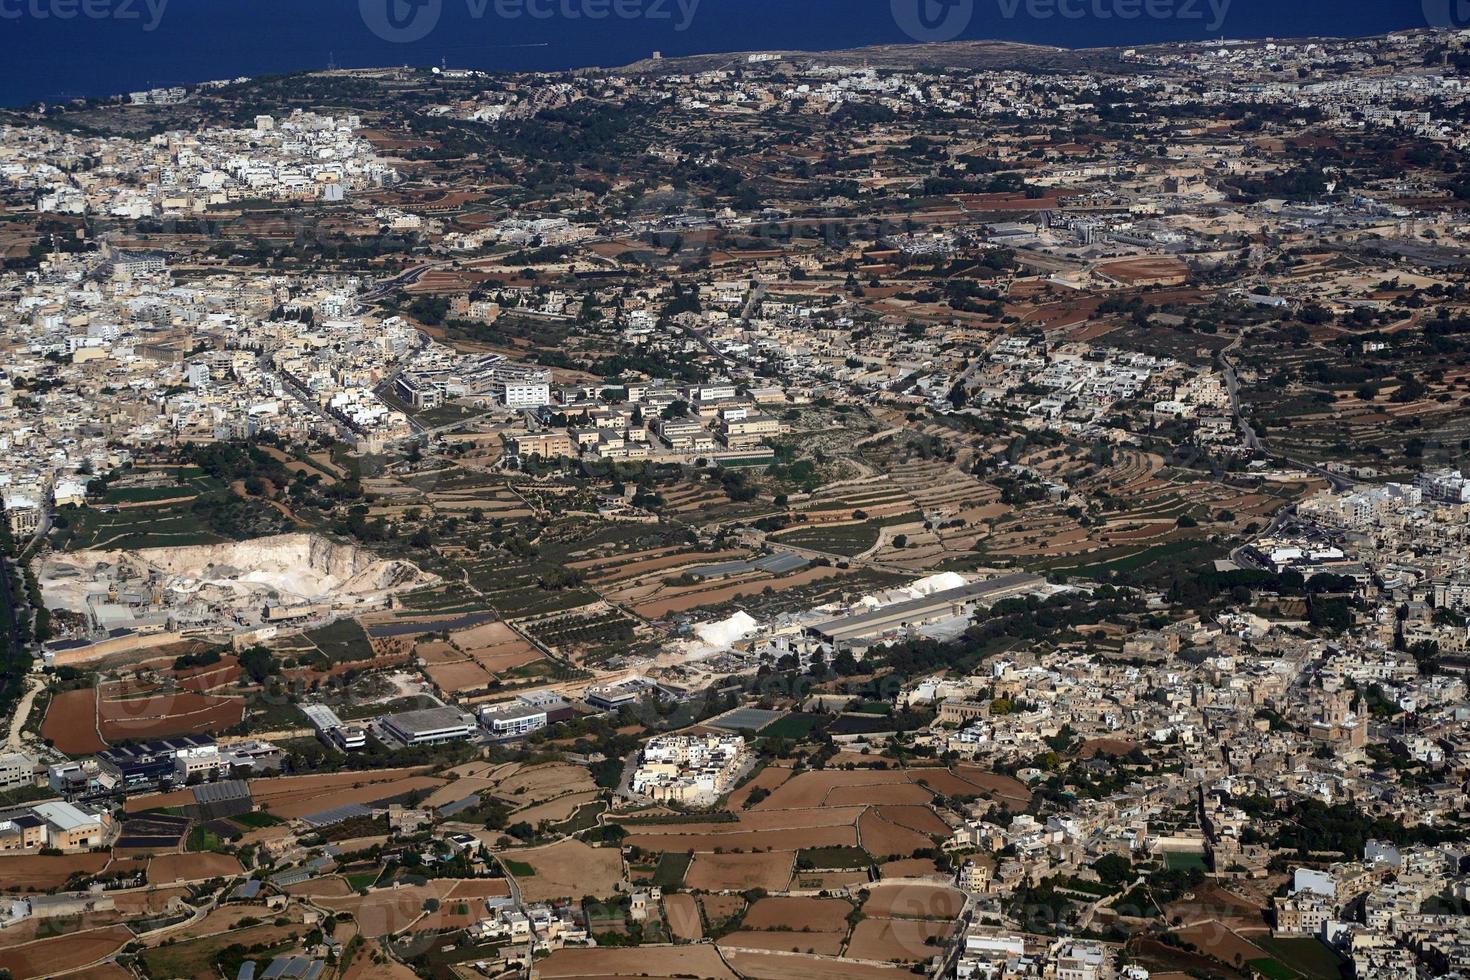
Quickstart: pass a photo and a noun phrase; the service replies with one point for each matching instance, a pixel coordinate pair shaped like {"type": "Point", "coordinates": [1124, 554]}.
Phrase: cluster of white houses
{"type": "Point", "coordinates": [688, 768]}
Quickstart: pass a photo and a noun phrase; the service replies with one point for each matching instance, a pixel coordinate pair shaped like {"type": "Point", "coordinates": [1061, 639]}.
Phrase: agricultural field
{"type": "Point", "coordinates": [701, 962]}
{"type": "Point", "coordinates": [568, 869]}
{"type": "Point", "coordinates": [298, 796]}
{"type": "Point", "coordinates": [47, 957]}
{"type": "Point", "coordinates": [741, 872]}
{"type": "Point", "coordinates": [1323, 398]}
{"type": "Point", "coordinates": [167, 507]}
{"type": "Point", "coordinates": [45, 872]}
{"type": "Point", "coordinates": [681, 912]}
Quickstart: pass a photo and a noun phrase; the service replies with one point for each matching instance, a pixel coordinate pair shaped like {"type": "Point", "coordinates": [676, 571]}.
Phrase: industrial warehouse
{"type": "Point", "coordinates": [865, 629]}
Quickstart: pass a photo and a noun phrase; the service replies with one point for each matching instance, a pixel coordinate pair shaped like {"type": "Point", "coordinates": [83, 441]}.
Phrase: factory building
{"type": "Point", "coordinates": [865, 629]}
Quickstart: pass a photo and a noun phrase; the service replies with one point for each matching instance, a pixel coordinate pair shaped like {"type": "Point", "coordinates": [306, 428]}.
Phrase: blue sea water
{"type": "Point", "coordinates": [58, 49]}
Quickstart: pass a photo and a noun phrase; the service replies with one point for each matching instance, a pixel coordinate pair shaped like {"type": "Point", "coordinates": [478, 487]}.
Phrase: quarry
{"type": "Point", "coordinates": [223, 589]}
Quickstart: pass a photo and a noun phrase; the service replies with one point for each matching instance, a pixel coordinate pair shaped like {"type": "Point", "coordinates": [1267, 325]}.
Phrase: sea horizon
{"type": "Point", "coordinates": [111, 47]}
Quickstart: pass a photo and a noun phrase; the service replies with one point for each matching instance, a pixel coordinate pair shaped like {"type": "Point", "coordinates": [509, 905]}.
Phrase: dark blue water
{"type": "Point", "coordinates": [111, 46]}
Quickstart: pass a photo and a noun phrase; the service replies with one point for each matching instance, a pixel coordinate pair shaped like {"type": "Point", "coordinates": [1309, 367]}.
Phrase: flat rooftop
{"type": "Point", "coordinates": [886, 617]}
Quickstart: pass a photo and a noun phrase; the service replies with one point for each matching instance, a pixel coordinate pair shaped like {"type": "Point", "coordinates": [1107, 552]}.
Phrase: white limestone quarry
{"type": "Point", "coordinates": [289, 569]}
{"type": "Point", "coordinates": [727, 632]}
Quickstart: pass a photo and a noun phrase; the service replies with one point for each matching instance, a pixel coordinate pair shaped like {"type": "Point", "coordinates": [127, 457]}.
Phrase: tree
{"type": "Point", "coordinates": [258, 663]}
{"type": "Point", "coordinates": [1113, 869]}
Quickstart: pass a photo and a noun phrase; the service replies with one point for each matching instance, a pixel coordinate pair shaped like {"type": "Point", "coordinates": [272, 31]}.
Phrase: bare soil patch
{"type": "Point", "coordinates": [883, 839]}
{"type": "Point", "coordinates": [36, 872]}
{"type": "Point", "coordinates": [741, 872]}
{"type": "Point", "coordinates": [683, 916]}
{"type": "Point", "coordinates": [191, 867]}
{"type": "Point", "coordinates": [71, 723]}
{"type": "Point", "coordinates": [900, 793]}
{"type": "Point", "coordinates": [821, 943]}
{"type": "Point", "coordinates": [910, 901]}
{"type": "Point", "coordinates": [569, 869]}
{"type": "Point", "coordinates": [907, 940]}
{"type": "Point", "coordinates": [701, 961]}
{"type": "Point", "coordinates": [815, 914]}
{"type": "Point", "coordinates": [47, 957]}
{"type": "Point", "coordinates": [775, 966]}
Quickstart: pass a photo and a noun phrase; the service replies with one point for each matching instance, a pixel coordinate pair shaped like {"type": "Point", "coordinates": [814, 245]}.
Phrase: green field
{"type": "Point", "coordinates": [256, 819]}
{"type": "Point", "coordinates": [1306, 955]}
{"type": "Point", "coordinates": [518, 868]}
{"type": "Point", "coordinates": [1272, 969]}
{"type": "Point", "coordinates": [342, 641]}
{"type": "Point", "coordinates": [793, 726]}
{"type": "Point", "coordinates": [584, 819]}
{"type": "Point", "coordinates": [842, 539]}
{"type": "Point", "coordinates": [842, 857]}
{"type": "Point", "coordinates": [861, 724]}
{"type": "Point", "coordinates": [1184, 862]}
{"type": "Point", "coordinates": [171, 525]}
{"type": "Point", "coordinates": [1191, 551]}
{"type": "Point", "coordinates": [203, 839]}
{"type": "Point", "coordinates": [671, 869]}
{"type": "Point", "coordinates": [362, 879]}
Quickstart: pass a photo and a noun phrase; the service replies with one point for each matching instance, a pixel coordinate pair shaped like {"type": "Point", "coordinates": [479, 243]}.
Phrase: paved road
{"type": "Point", "coordinates": [1253, 441]}
{"type": "Point", "coordinates": [1237, 554]}
{"type": "Point", "coordinates": [304, 397]}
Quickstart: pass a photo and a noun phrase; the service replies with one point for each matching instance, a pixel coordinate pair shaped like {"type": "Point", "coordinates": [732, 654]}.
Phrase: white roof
{"type": "Point", "coordinates": [64, 816]}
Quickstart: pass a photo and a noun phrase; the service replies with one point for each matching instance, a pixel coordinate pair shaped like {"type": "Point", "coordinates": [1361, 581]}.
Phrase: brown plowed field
{"type": "Point", "coordinates": [295, 796]}
{"type": "Point", "coordinates": [683, 916]}
{"type": "Point", "coordinates": [914, 902]}
{"type": "Point", "coordinates": [48, 957]}
{"type": "Point", "coordinates": [741, 872]}
{"type": "Point", "coordinates": [191, 867]}
{"type": "Point", "coordinates": [36, 872]}
{"type": "Point", "coordinates": [71, 723]}
{"type": "Point", "coordinates": [896, 939]}
{"type": "Point", "coordinates": [899, 793]}
{"type": "Point", "coordinates": [909, 868]}
{"type": "Point", "coordinates": [165, 714]}
{"type": "Point", "coordinates": [749, 820]}
{"type": "Point", "coordinates": [883, 839]}
{"type": "Point", "coordinates": [775, 966]}
{"type": "Point", "coordinates": [821, 943]}
{"type": "Point", "coordinates": [816, 914]}
{"type": "Point", "coordinates": [768, 779]}
{"type": "Point", "coordinates": [466, 675]}
{"type": "Point", "coordinates": [917, 818]}
{"type": "Point", "coordinates": [700, 961]}
{"type": "Point", "coordinates": [810, 789]}
{"type": "Point", "coordinates": [748, 840]}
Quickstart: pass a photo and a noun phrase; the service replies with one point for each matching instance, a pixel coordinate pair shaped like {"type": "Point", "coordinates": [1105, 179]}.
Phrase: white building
{"type": "Point", "coordinates": [16, 770]}
{"type": "Point", "coordinates": [687, 768]}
